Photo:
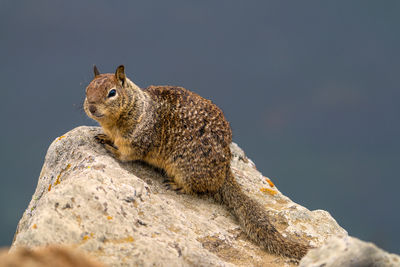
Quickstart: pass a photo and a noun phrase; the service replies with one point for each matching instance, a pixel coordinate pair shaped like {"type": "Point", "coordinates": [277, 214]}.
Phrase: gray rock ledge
{"type": "Point", "coordinates": [349, 251]}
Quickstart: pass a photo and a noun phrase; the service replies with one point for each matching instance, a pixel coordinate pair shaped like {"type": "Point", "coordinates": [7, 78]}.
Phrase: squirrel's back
{"type": "Point", "coordinates": [195, 137]}
{"type": "Point", "coordinates": [191, 116]}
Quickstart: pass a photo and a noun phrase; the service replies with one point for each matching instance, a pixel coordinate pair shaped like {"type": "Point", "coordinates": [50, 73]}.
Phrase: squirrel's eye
{"type": "Point", "coordinates": [112, 93]}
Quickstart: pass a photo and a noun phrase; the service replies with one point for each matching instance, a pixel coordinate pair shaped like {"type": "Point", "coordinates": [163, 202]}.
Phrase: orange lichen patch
{"type": "Point", "coordinates": [109, 217]}
{"type": "Point", "coordinates": [62, 171]}
{"type": "Point", "coordinates": [61, 137]}
{"type": "Point", "coordinates": [271, 184]}
{"type": "Point", "coordinates": [57, 180]}
{"type": "Point", "coordinates": [268, 190]}
{"type": "Point", "coordinates": [49, 187]}
{"type": "Point", "coordinates": [174, 229]}
{"type": "Point", "coordinates": [85, 238]}
{"type": "Point", "coordinates": [78, 219]}
{"type": "Point", "coordinates": [128, 239]}
{"type": "Point", "coordinates": [34, 226]}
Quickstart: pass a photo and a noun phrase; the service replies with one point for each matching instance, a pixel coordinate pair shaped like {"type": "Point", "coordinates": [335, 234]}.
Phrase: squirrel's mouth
{"type": "Point", "coordinates": [95, 112]}
{"type": "Point", "coordinates": [97, 116]}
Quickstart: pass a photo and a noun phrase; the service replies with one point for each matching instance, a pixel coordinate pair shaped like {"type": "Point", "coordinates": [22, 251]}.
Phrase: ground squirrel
{"type": "Point", "coordinates": [187, 136]}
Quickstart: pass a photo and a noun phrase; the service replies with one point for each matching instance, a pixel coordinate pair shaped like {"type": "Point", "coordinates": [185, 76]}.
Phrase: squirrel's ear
{"type": "Point", "coordinates": [96, 71]}
{"type": "Point", "coordinates": [120, 74]}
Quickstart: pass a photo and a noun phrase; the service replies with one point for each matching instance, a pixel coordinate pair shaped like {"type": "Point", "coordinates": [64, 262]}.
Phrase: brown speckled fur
{"type": "Point", "coordinates": [187, 136]}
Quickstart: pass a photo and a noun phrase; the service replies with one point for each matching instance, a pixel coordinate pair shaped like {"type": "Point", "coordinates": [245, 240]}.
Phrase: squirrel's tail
{"type": "Point", "coordinates": [255, 222]}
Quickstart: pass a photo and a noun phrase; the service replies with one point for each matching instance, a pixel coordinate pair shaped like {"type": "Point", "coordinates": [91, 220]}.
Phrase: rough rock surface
{"type": "Point", "coordinates": [123, 215]}
{"type": "Point", "coordinates": [50, 256]}
{"type": "Point", "coordinates": [350, 252]}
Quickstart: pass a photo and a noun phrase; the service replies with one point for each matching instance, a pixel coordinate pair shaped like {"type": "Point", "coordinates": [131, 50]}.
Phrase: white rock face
{"type": "Point", "coordinates": [123, 215]}
{"type": "Point", "coordinates": [350, 252]}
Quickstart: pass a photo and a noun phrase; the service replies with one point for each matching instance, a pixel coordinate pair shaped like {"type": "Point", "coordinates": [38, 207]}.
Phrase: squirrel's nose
{"type": "Point", "coordinates": [92, 109]}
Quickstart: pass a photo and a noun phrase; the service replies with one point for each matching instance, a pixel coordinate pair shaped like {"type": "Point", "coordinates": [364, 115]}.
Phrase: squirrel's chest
{"type": "Point", "coordinates": [122, 143]}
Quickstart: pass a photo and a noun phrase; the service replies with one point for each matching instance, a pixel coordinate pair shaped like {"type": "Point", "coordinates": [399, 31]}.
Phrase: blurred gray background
{"type": "Point", "coordinates": [311, 89]}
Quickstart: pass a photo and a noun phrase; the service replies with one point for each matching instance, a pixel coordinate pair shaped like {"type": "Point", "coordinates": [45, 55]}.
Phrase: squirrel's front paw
{"type": "Point", "coordinates": [107, 144]}
{"type": "Point", "coordinates": [102, 139]}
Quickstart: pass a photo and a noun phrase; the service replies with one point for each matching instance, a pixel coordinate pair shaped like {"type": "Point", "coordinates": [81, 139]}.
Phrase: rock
{"type": "Point", "coordinates": [46, 257]}
{"type": "Point", "coordinates": [351, 252]}
{"type": "Point", "coordinates": [122, 214]}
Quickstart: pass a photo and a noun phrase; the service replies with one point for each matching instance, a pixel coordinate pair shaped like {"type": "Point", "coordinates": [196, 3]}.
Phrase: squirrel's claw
{"type": "Point", "coordinates": [101, 138]}
{"type": "Point", "coordinates": [171, 185]}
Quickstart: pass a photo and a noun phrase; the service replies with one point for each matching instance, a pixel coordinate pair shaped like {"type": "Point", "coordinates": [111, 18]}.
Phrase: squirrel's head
{"type": "Point", "coordinates": [104, 95]}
